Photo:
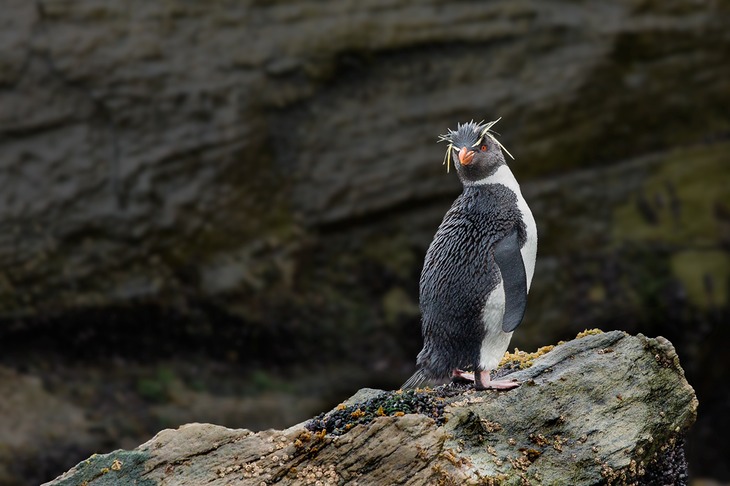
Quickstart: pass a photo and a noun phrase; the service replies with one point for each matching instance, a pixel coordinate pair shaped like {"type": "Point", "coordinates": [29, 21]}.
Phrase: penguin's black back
{"type": "Point", "coordinates": [458, 275]}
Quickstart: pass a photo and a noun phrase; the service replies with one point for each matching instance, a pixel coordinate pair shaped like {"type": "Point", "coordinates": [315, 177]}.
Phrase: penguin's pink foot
{"type": "Point", "coordinates": [482, 381]}
{"type": "Point", "coordinates": [461, 375]}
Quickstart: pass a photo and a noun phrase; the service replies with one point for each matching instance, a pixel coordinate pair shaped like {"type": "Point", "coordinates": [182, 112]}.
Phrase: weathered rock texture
{"type": "Point", "coordinates": [603, 409]}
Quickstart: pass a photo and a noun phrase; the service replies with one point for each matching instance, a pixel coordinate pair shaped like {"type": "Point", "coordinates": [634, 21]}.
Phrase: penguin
{"type": "Point", "coordinates": [478, 268]}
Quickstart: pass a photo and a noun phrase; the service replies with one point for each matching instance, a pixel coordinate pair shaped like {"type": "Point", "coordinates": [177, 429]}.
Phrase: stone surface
{"type": "Point", "coordinates": [606, 408]}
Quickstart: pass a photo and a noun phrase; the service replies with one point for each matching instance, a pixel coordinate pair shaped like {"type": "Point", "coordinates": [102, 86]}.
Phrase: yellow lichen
{"type": "Point", "coordinates": [524, 359]}
{"type": "Point", "coordinates": [588, 332]}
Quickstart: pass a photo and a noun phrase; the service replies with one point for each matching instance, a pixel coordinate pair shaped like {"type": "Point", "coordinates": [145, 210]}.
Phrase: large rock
{"type": "Point", "coordinates": [603, 409]}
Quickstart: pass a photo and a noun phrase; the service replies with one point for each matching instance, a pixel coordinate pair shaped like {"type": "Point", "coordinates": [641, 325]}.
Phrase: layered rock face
{"type": "Point", "coordinates": [603, 409]}
{"type": "Point", "coordinates": [261, 180]}
{"type": "Point", "coordinates": [156, 149]}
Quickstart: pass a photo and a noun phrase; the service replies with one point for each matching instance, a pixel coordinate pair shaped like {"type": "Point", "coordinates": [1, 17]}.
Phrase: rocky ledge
{"type": "Point", "coordinates": [604, 408]}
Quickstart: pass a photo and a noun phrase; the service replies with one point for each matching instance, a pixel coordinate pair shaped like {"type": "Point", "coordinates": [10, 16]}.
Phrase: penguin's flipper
{"type": "Point", "coordinates": [509, 260]}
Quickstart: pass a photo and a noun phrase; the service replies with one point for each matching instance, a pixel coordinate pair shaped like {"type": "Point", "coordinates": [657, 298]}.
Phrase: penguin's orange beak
{"type": "Point", "coordinates": [465, 156]}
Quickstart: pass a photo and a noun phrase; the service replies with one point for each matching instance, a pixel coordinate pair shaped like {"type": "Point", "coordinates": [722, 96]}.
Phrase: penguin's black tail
{"type": "Point", "coordinates": [415, 381]}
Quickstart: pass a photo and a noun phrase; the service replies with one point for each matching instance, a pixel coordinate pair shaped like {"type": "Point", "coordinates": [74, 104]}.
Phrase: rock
{"type": "Point", "coordinates": [607, 408]}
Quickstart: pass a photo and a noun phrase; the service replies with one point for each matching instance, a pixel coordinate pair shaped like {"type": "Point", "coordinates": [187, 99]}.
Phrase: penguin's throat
{"type": "Point", "coordinates": [503, 176]}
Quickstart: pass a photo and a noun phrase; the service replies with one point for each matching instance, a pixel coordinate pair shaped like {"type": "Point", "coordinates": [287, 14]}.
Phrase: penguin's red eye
{"type": "Point", "coordinates": [483, 148]}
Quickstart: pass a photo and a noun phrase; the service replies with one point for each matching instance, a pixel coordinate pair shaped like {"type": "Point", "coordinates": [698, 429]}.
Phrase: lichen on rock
{"type": "Point", "coordinates": [604, 408]}
{"type": "Point", "coordinates": [521, 359]}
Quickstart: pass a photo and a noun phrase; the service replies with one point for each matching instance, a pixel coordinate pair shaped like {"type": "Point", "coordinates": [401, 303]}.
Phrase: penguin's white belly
{"type": "Point", "coordinates": [495, 341]}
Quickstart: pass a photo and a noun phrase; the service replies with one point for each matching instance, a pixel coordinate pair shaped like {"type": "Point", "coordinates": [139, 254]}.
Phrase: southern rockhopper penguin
{"type": "Point", "coordinates": [478, 269]}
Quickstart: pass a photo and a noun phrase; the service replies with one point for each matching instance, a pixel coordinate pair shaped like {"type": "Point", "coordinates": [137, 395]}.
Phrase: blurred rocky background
{"type": "Point", "coordinates": [217, 211]}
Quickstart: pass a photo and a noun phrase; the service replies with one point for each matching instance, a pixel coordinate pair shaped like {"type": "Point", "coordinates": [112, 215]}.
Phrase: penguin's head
{"type": "Point", "coordinates": [474, 150]}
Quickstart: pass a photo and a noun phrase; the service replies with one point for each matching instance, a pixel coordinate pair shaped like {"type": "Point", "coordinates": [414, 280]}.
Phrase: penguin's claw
{"type": "Point", "coordinates": [460, 375]}
{"type": "Point", "coordinates": [483, 381]}
{"type": "Point", "coordinates": [499, 385]}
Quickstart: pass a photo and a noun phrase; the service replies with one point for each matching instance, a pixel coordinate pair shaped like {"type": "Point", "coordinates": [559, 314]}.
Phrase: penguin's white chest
{"type": "Point", "coordinates": [529, 249]}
